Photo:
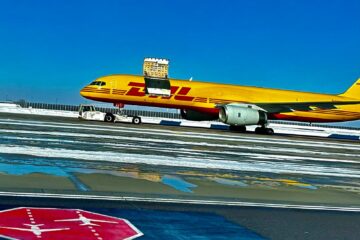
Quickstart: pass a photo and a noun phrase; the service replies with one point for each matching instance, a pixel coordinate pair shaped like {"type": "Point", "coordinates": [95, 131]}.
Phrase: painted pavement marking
{"type": "Point", "coordinates": [59, 224]}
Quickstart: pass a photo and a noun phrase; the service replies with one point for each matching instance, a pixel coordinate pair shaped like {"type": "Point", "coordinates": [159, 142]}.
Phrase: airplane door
{"type": "Point", "coordinates": [156, 72]}
{"type": "Point", "coordinates": [157, 87]}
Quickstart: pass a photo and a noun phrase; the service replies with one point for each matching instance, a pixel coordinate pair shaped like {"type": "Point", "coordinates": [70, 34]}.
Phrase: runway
{"type": "Point", "coordinates": [64, 160]}
{"type": "Point", "coordinates": [183, 162]}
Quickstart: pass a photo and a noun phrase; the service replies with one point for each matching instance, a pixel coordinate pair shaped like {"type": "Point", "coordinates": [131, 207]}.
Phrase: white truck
{"type": "Point", "coordinates": [88, 112]}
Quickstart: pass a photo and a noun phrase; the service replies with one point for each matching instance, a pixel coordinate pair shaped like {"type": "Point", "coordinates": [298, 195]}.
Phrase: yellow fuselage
{"type": "Point", "coordinates": [204, 96]}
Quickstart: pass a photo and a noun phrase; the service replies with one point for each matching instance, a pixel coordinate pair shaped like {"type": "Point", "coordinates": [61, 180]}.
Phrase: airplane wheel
{"type": "Point", "coordinates": [259, 130]}
{"type": "Point", "coordinates": [237, 128]}
{"type": "Point", "coordinates": [136, 120]}
{"type": "Point", "coordinates": [109, 117]}
{"type": "Point", "coordinates": [266, 131]}
{"type": "Point", "coordinates": [269, 131]}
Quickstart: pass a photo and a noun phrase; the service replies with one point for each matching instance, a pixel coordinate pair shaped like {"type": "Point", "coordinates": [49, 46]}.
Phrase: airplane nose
{"type": "Point", "coordinates": [83, 92]}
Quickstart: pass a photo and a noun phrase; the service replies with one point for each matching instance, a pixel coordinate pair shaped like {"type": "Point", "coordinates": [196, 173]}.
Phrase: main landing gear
{"type": "Point", "coordinates": [237, 128]}
{"type": "Point", "coordinates": [264, 130]}
{"type": "Point", "coordinates": [259, 130]}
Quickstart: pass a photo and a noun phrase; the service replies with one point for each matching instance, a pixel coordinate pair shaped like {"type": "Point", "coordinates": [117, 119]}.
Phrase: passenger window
{"type": "Point", "coordinates": [102, 83]}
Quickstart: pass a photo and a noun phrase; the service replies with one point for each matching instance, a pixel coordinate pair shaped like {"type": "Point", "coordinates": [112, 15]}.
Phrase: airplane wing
{"type": "Point", "coordinates": [31, 230]}
{"type": "Point", "coordinates": [301, 106]}
{"type": "Point", "coordinates": [68, 220]}
{"type": "Point", "coordinates": [19, 229]}
{"type": "Point", "coordinates": [104, 221]}
{"type": "Point", "coordinates": [53, 229]}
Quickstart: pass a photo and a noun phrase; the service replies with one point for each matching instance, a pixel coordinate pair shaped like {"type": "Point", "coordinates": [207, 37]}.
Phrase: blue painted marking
{"type": "Point", "coordinates": [172, 181]}
{"type": "Point", "coordinates": [182, 225]}
{"type": "Point", "coordinates": [218, 126]}
{"type": "Point", "coordinates": [169, 123]}
{"type": "Point", "coordinates": [22, 169]}
{"type": "Point", "coordinates": [348, 137]}
{"type": "Point", "coordinates": [78, 184]}
{"type": "Point", "coordinates": [178, 183]}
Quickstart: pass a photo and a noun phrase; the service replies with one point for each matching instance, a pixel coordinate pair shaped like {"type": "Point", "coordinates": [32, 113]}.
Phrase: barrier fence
{"type": "Point", "coordinates": [75, 108]}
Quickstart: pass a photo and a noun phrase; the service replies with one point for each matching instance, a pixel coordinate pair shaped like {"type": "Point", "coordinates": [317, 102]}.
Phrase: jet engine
{"type": "Point", "coordinates": [242, 115]}
{"type": "Point", "coordinates": [196, 115]}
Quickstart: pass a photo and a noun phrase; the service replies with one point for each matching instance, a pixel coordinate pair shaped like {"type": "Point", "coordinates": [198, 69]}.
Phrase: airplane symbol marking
{"type": "Point", "coordinates": [35, 229]}
{"type": "Point", "coordinates": [85, 221]}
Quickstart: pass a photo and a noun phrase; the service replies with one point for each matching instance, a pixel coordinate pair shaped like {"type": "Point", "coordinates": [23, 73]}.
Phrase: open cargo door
{"type": "Point", "coordinates": [156, 72]}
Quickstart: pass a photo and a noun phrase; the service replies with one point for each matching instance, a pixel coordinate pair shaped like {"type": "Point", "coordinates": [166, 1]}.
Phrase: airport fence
{"type": "Point", "coordinates": [75, 108]}
{"type": "Point", "coordinates": [145, 113]}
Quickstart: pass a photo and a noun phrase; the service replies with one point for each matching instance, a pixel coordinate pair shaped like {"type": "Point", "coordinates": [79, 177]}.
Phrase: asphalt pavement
{"type": "Point", "coordinates": [269, 186]}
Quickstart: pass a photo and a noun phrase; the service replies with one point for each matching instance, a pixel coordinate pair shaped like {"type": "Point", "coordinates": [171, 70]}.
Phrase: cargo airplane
{"type": "Point", "coordinates": [237, 106]}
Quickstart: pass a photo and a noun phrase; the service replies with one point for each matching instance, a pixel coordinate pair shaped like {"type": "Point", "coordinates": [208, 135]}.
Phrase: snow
{"type": "Point", "coordinates": [14, 108]}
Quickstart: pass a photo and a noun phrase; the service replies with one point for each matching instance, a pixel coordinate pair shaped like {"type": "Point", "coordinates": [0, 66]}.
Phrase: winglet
{"type": "Point", "coordinates": [353, 91]}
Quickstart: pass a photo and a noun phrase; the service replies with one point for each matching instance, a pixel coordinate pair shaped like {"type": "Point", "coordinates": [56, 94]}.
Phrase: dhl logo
{"type": "Point", "coordinates": [138, 90]}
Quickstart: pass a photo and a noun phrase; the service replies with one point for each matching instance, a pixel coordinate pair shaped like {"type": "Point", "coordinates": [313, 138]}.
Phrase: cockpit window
{"type": "Point", "coordinates": [98, 83]}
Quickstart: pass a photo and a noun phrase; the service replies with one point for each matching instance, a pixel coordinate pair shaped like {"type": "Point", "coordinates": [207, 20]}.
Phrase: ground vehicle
{"type": "Point", "coordinates": [88, 112]}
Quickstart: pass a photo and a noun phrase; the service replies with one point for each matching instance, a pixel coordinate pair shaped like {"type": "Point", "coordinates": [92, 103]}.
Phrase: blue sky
{"type": "Point", "coordinates": [50, 49]}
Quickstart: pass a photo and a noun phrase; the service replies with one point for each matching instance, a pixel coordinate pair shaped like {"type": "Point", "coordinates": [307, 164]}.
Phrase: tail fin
{"type": "Point", "coordinates": [353, 91]}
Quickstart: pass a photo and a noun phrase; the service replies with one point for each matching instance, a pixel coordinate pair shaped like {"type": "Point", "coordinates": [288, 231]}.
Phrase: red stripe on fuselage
{"type": "Point", "coordinates": [137, 90]}
{"type": "Point", "coordinates": [136, 84]}
{"type": "Point", "coordinates": [184, 91]}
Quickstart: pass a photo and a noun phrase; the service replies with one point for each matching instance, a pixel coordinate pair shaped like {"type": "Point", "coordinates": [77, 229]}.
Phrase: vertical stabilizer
{"type": "Point", "coordinates": [353, 91]}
